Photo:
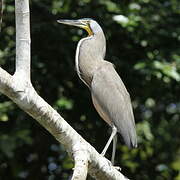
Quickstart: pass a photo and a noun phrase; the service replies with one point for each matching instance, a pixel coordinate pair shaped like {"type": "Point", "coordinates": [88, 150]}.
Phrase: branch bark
{"type": "Point", "coordinates": [20, 90]}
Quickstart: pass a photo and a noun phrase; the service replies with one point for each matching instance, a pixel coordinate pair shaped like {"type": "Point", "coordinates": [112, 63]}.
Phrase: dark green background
{"type": "Point", "coordinates": [146, 52]}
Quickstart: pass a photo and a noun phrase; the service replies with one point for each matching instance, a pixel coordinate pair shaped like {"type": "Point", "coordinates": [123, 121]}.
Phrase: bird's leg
{"type": "Point", "coordinates": [114, 131]}
{"type": "Point", "coordinates": [114, 149]}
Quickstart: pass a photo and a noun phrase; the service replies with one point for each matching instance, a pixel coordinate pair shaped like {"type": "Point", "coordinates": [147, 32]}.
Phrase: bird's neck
{"type": "Point", "coordinates": [90, 53]}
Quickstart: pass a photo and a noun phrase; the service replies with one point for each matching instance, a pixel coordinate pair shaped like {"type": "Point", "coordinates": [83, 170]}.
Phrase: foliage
{"type": "Point", "coordinates": [143, 41]}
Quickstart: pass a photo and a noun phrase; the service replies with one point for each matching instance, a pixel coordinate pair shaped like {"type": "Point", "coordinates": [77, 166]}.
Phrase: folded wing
{"type": "Point", "coordinates": [112, 101]}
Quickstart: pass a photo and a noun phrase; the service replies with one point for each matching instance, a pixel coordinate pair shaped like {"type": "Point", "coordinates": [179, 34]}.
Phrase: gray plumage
{"type": "Point", "coordinates": [109, 95]}
{"type": "Point", "coordinates": [107, 89]}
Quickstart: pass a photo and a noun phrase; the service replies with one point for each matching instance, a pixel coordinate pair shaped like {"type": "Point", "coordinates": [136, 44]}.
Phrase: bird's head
{"type": "Point", "coordinates": [88, 24]}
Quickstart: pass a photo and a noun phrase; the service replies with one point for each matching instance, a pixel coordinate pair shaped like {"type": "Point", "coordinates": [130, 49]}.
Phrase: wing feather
{"type": "Point", "coordinates": [112, 101]}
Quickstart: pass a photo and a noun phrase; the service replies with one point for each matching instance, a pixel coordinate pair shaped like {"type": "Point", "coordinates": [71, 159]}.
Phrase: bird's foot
{"type": "Point", "coordinates": [111, 164]}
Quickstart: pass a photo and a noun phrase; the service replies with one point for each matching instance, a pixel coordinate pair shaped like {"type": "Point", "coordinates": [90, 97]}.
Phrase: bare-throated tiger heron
{"type": "Point", "coordinates": [109, 95]}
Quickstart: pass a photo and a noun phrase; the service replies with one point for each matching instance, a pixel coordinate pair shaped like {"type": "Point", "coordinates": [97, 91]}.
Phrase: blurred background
{"type": "Point", "coordinates": [143, 41]}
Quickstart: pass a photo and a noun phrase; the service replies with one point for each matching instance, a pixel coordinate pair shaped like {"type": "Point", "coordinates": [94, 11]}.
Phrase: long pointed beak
{"type": "Point", "coordinates": [77, 23]}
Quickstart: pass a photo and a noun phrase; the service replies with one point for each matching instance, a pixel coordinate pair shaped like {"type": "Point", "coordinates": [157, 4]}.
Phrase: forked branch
{"type": "Point", "coordinates": [20, 90]}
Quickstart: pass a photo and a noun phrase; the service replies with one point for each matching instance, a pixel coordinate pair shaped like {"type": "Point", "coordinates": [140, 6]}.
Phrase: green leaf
{"type": "Point", "coordinates": [168, 69]}
{"type": "Point", "coordinates": [176, 165]}
{"type": "Point", "coordinates": [4, 117]}
{"type": "Point", "coordinates": [144, 130]}
{"type": "Point", "coordinates": [64, 103]}
{"type": "Point", "coordinates": [139, 65]}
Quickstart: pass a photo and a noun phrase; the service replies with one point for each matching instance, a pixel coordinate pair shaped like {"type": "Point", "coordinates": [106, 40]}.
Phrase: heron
{"type": "Point", "coordinates": [109, 95]}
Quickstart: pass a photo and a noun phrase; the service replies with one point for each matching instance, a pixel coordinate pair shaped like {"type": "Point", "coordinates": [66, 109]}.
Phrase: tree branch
{"type": "Point", "coordinates": [22, 39]}
{"type": "Point", "coordinates": [81, 158]}
{"type": "Point", "coordinates": [19, 88]}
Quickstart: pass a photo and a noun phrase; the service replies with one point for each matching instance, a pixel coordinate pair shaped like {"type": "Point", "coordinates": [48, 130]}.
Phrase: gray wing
{"type": "Point", "coordinates": [112, 101]}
